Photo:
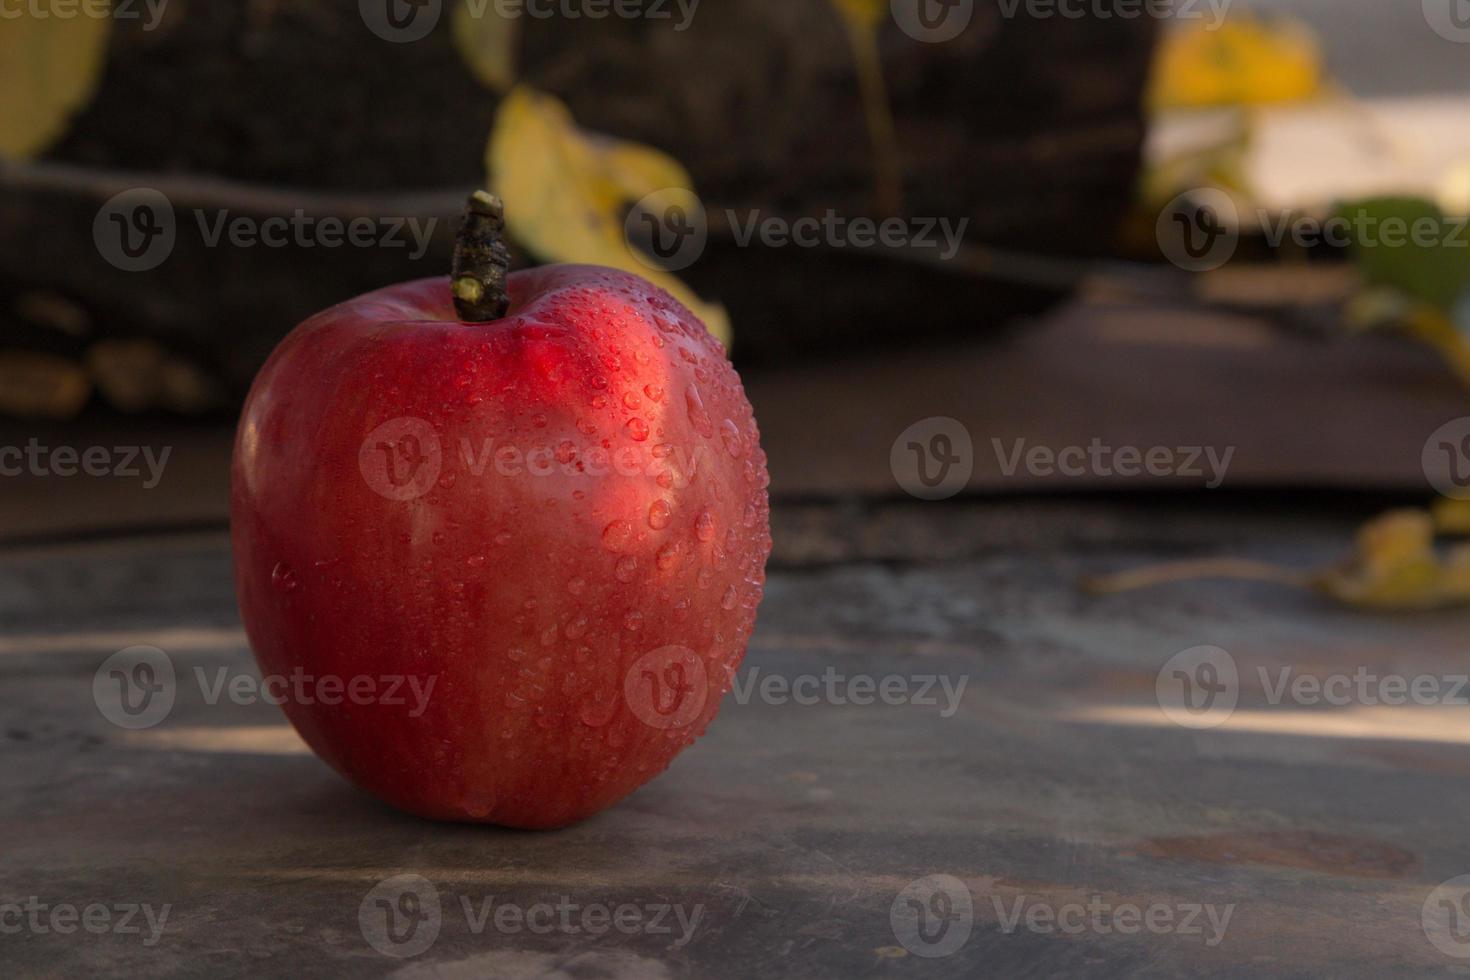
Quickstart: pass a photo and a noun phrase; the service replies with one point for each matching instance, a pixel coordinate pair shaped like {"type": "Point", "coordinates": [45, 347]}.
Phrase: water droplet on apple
{"type": "Point", "coordinates": [704, 526]}
{"type": "Point", "coordinates": [626, 568]}
{"type": "Point", "coordinates": [631, 401]}
{"type": "Point", "coordinates": [730, 436]}
{"type": "Point", "coordinates": [698, 417]}
{"type": "Point", "coordinates": [727, 601]}
{"type": "Point", "coordinates": [633, 622]}
{"type": "Point", "coordinates": [659, 515]}
{"type": "Point", "coordinates": [587, 427]}
{"type": "Point", "coordinates": [654, 392]}
{"type": "Point", "coordinates": [577, 628]}
{"type": "Point", "coordinates": [597, 711]}
{"type": "Point", "coordinates": [283, 577]}
{"type": "Point", "coordinates": [667, 556]}
{"type": "Point", "coordinates": [577, 586]}
{"type": "Point", "coordinates": [637, 429]}
{"type": "Point", "coordinates": [475, 561]}
{"type": "Point", "coordinates": [616, 535]}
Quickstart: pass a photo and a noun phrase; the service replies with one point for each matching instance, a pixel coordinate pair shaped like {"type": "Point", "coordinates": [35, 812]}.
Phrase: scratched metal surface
{"type": "Point", "coordinates": [788, 836]}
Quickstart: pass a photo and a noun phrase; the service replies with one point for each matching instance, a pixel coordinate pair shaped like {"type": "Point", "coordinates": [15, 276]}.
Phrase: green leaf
{"type": "Point", "coordinates": [1407, 244]}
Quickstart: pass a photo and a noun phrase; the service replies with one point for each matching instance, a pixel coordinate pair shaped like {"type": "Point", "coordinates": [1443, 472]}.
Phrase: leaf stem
{"type": "Point", "coordinates": [1183, 571]}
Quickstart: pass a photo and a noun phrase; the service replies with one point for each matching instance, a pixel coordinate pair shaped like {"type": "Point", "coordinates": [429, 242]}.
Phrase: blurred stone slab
{"type": "Point", "coordinates": [1292, 410]}
{"type": "Point", "coordinates": [792, 829]}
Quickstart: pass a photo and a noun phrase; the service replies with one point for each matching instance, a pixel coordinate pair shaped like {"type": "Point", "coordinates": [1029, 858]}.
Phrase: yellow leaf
{"type": "Point", "coordinates": [1396, 567]}
{"type": "Point", "coordinates": [862, 13]}
{"type": "Point", "coordinates": [49, 68]}
{"type": "Point", "coordinates": [1451, 516]}
{"type": "Point", "coordinates": [565, 192]}
{"type": "Point", "coordinates": [1243, 62]}
{"type": "Point", "coordinates": [486, 41]}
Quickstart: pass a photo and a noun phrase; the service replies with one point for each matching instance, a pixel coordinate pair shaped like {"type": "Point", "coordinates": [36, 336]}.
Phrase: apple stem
{"type": "Point", "coordinates": [481, 261]}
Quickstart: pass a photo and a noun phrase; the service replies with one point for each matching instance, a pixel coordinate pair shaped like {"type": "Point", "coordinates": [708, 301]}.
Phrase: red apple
{"type": "Point", "coordinates": [503, 571]}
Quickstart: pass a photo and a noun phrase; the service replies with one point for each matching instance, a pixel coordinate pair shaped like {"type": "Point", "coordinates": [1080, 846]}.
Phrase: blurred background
{"type": "Point", "coordinates": [182, 183]}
